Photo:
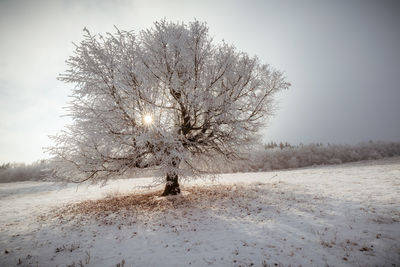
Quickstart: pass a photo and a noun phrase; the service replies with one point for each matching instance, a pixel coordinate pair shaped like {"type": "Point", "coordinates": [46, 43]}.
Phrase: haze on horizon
{"type": "Point", "coordinates": [342, 58]}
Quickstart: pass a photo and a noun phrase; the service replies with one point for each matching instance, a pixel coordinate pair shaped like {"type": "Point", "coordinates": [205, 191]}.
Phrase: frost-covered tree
{"type": "Point", "coordinates": [162, 99]}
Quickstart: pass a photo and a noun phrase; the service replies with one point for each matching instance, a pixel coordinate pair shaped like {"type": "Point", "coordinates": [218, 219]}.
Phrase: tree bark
{"type": "Point", "coordinates": [172, 186]}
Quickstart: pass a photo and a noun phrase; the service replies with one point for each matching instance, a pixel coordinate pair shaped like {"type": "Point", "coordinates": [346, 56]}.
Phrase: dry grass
{"type": "Point", "coordinates": [150, 203]}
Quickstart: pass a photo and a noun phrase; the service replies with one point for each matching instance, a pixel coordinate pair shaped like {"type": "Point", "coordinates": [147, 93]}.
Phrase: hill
{"type": "Point", "coordinates": [340, 215]}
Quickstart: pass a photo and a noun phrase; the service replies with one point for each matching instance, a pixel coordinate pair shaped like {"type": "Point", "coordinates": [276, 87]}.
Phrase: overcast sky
{"type": "Point", "coordinates": [342, 58]}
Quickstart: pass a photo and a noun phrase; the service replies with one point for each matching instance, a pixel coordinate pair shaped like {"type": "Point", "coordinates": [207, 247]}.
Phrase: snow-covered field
{"type": "Point", "coordinates": [344, 215]}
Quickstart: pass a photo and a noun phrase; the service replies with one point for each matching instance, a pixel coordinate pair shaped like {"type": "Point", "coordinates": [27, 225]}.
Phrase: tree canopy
{"type": "Point", "coordinates": [163, 98]}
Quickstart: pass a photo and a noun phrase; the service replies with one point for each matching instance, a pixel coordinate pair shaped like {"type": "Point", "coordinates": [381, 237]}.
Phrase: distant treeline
{"type": "Point", "coordinates": [16, 172]}
{"type": "Point", "coordinates": [271, 156]}
{"type": "Point", "coordinates": [284, 156]}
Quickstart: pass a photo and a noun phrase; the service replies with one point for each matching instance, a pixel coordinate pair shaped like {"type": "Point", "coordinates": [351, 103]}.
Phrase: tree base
{"type": "Point", "coordinates": [172, 186]}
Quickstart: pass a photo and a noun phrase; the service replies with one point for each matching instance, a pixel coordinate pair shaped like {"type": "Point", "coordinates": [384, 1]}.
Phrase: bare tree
{"type": "Point", "coordinates": [162, 99]}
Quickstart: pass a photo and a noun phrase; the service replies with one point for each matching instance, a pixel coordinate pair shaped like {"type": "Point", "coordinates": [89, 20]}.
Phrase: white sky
{"type": "Point", "coordinates": [342, 57]}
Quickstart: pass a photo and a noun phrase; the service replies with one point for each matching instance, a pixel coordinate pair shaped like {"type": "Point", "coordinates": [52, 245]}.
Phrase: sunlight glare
{"type": "Point", "coordinates": [148, 119]}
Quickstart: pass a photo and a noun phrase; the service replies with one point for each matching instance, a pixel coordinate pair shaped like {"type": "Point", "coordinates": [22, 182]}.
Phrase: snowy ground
{"type": "Point", "coordinates": [345, 215]}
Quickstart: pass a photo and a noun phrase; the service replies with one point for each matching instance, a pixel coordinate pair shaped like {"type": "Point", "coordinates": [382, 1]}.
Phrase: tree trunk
{"type": "Point", "coordinates": [172, 185]}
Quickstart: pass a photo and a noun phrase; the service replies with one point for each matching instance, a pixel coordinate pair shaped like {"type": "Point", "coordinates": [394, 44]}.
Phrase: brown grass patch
{"type": "Point", "coordinates": [151, 203]}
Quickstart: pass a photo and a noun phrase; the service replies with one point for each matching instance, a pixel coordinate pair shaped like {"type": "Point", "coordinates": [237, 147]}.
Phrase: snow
{"type": "Point", "coordinates": [341, 215]}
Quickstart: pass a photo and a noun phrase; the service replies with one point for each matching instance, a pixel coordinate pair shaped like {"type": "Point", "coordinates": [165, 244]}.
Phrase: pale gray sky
{"type": "Point", "coordinates": [342, 57]}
